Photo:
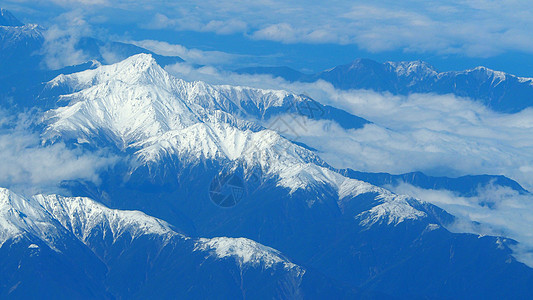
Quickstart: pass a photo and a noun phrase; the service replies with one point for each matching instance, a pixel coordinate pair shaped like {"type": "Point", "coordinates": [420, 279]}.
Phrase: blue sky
{"type": "Point", "coordinates": [314, 35]}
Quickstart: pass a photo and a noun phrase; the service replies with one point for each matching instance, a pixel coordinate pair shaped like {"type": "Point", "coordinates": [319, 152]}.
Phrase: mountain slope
{"type": "Point", "coordinates": [7, 19]}
{"type": "Point", "coordinates": [19, 45]}
{"type": "Point", "coordinates": [127, 254]}
{"type": "Point", "coordinates": [177, 138]}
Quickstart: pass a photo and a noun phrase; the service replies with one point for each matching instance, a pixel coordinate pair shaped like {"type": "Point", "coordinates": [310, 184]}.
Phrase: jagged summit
{"type": "Point", "coordinates": [417, 68]}
{"type": "Point", "coordinates": [21, 217]}
{"type": "Point", "coordinates": [8, 19]}
{"type": "Point", "coordinates": [499, 91]}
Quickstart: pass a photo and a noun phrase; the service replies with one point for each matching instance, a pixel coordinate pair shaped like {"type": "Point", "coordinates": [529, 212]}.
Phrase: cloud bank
{"type": "Point", "coordinates": [30, 167]}
{"type": "Point", "coordinates": [477, 28]}
{"type": "Point", "coordinates": [495, 211]}
{"type": "Point", "coordinates": [437, 134]}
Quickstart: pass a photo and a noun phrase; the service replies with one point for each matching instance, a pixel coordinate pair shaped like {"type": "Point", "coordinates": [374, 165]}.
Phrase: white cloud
{"type": "Point", "coordinates": [29, 167]}
{"type": "Point", "coordinates": [286, 33]}
{"type": "Point", "coordinates": [60, 40]}
{"type": "Point", "coordinates": [193, 56]}
{"type": "Point", "coordinates": [473, 28]}
{"type": "Point", "coordinates": [437, 134]}
{"type": "Point", "coordinates": [499, 211]}
{"type": "Point", "coordinates": [190, 22]}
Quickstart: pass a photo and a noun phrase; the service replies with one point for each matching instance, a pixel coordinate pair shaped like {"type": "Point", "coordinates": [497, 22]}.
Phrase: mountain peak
{"type": "Point", "coordinates": [7, 19]}
{"type": "Point", "coordinates": [407, 68]}
{"type": "Point", "coordinates": [245, 251]}
{"type": "Point", "coordinates": [141, 61]}
{"type": "Point", "coordinates": [135, 69]}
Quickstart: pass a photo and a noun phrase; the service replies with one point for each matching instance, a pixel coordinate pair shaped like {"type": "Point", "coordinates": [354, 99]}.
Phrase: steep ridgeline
{"type": "Point", "coordinates": [497, 90]}
{"type": "Point", "coordinates": [75, 248]}
{"type": "Point", "coordinates": [178, 137]}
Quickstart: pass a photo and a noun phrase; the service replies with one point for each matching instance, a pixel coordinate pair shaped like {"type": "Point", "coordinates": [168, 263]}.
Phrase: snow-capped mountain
{"type": "Point", "coordinates": [126, 254]}
{"type": "Point", "coordinates": [139, 106]}
{"type": "Point", "coordinates": [175, 137]}
{"type": "Point", "coordinates": [19, 44]}
{"type": "Point", "coordinates": [498, 90]}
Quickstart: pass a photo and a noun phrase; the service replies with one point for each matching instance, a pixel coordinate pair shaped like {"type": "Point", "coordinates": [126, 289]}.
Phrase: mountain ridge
{"type": "Point", "coordinates": [130, 231]}
{"type": "Point", "coordinates": [497, 90]}
{"type": "Point", "coordinates": [285, 205]}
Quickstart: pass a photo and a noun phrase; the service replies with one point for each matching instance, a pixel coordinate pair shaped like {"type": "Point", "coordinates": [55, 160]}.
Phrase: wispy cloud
{"type": "Point", "coordinates": [193, 56]}
{"type": "Point", "coordinates": [60, 41]}
{"type": "Point", "coordinates": [30, 167]}
{"type": "Point", "coordinates": [496, 211]}
{"type": "Point", "coordinates": [189, 22]}
{"type": "Point", "coordinates": [437, 134]}
{"type": "Point", "coordinates": [478, 28]}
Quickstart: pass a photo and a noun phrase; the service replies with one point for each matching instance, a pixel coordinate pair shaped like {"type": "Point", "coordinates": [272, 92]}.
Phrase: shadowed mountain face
{"type": "Point", "coordinates": [7, 19]}
{"type": "Point", "coordinates": [464, 186]}
{"type": "Point", "coordinates": [497, 90]}
{"type": "Point", "coordinates": [63, 248]}
{"type": "Point", "coordinates": [177, 141]}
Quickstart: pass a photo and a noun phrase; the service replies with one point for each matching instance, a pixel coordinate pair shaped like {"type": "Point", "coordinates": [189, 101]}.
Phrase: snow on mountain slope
{"type": "Point", "coordinates": [15, 33]}
{"type": "Point", "coordinates": [11, 36]}
{"type": "Point", "coordinates": [139, 106]}
{"type": "Point", "coordinates": [50, 217]}
{"type": "Point", "coordinates": [417, 70]}
{"type": "Point", "coordinates": [497, 90]}
{"type": "Point", "coordinates": [142, 70]}
{"type": "Point", "coordinates": [245, 251]}
{"type": "Point", "coordinates": [126, 254]}
{"type": "Point", "coordinates": [21, 217]}
{"type": "Point", "coordinates": [85, 217]}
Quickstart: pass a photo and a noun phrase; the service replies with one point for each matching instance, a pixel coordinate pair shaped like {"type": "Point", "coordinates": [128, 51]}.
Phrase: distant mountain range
{"type": "Point", "coordinates": [497, 90]}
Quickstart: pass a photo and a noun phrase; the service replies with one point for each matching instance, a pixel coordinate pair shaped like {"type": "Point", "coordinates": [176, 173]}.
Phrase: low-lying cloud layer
{"type": "Point", "coordinates": [437, 134]}
{"type": "Point", "coordinates": [30, 167]}
{"type": "Point", "coordinates": [495, 211]}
